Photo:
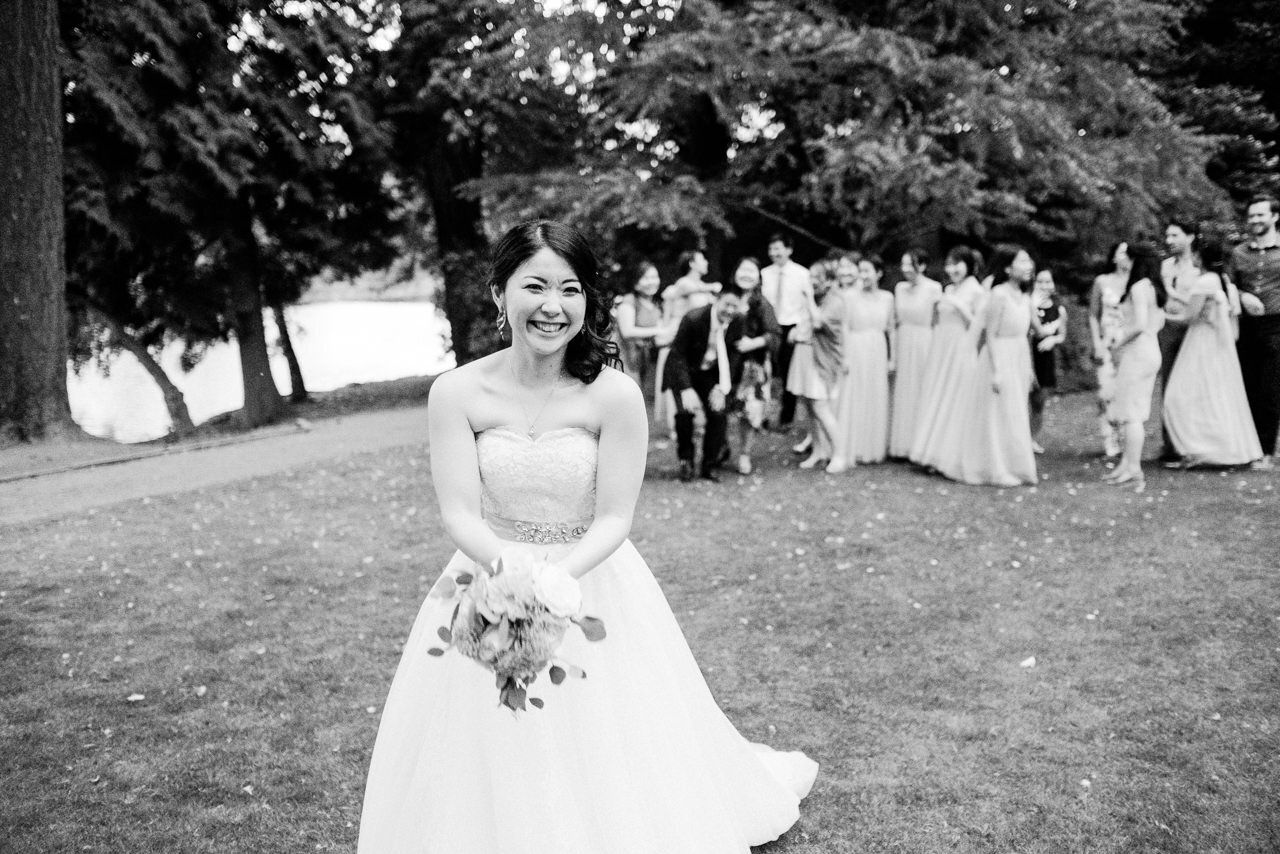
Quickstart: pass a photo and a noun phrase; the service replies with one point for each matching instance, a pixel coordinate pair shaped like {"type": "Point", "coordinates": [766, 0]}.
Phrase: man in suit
{"type": "Point", "coordinates": [1255, 269]}
{"type": "Point", "coordinates": [785, 284]}
{"type": "Point", "coordinates": [698, 372]}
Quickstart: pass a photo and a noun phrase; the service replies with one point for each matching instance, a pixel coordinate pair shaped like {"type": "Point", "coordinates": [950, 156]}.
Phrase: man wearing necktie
{"type": "Point", "coordinates": [698, 373]}
{"type": "Point", "coordinates": [787, 287]}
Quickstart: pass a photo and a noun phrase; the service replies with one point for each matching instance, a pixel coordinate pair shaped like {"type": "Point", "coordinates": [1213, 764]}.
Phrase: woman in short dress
{"type": "Point", "coordinates": [1205, 408]}
{"type": "Point", "coordinates": [751, 356]}
{"type": "Point", "coordinates": [1136, 355]}
{"type": "Point", "coordinates": [996, 448]}
{"type": "Point", "coordinates": [862, 402]}
{"type": "Point", "coordinates": [1049, 329]}
{"type": "Point", "coordinates": [953, 360]}
{"type": "Point", "coordinates": [914, 301]}
{"type": "Point", "coordinates": [817, 362]}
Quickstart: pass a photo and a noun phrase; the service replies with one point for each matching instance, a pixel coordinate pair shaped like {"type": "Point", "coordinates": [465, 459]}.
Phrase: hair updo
{"type": "Point", "coordinates": [592, 348]}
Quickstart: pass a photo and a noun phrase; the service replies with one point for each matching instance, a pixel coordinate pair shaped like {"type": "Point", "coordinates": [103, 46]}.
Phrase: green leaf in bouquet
{"type": "Point", "coordinates": [592, 628]}
{"type": "Point", "coordinates": [513, 697]}
{"type": "Point", "coordinates": [536, 702]}
{"type": "Point", "coordinates": [444, 634]}
{"type": "Point", "coordinates": [435, 651]}
{"type": "Point", "coordinates": [557, 674]}
{"type": "Point", "coordinates": [464, 578]}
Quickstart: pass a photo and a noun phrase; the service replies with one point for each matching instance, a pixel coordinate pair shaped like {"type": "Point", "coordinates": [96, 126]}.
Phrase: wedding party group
{"type": "Point", "coordinates": [954, 378]}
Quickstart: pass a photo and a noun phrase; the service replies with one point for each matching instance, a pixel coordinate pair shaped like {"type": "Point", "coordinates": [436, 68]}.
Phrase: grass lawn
{"type": "Point", "coordinates": [204, 672]}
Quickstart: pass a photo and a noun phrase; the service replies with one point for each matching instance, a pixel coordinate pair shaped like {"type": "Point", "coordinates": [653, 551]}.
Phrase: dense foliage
{"type": "Point", "coordinates": [220, 154]}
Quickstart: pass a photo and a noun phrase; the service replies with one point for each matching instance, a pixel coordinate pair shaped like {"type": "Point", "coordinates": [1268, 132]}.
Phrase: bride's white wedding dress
{"type": "Point", "coordinates": [637, 758]}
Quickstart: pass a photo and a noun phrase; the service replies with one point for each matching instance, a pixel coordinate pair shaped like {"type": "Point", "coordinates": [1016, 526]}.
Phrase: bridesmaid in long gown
{"type": "Point", "coordinates": [953, 360]}
{"type": "Point", "coordinates": [638, 318]}
{"type": "Point", "coordinates": [539, 450]}
{"type": "Point", "coordinates": [997, 449]}
{"type": "Point", "coordinates": [1205, 408]}
{"type": "Point", "coordinates": [862, 402]}
{"type": "Point", "coordinates": [914, 300]}
{"type": "Point", "coordinates": [1137, 359]}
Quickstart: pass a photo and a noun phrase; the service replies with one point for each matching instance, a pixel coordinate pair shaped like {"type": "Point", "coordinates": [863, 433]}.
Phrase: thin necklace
{"type": "Point", "coordinates": [532, 421]}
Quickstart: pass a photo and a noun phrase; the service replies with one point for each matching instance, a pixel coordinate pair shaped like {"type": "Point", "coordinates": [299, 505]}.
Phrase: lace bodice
{"type": "Point", "coordinates": [548, 479]}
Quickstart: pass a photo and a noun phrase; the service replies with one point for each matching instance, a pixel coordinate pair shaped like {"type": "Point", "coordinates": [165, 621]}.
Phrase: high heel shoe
{"type": "Point", "coordinates": [813, 462]}
{"type": "Point", "coordinates": [1129, 476]}
{"type": "Point", "coordinates": [837, 466]}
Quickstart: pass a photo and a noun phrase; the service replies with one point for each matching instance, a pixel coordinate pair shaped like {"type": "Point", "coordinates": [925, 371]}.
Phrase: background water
{"type": "Point", "coordinates": [337, 343]}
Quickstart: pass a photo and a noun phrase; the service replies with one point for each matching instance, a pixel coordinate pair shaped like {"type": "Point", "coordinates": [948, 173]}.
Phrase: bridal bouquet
{"type": "Point", "coordinates": [511, 618]}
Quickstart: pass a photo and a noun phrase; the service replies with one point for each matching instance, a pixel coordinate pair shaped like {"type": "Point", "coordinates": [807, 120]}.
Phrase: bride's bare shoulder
{"type": "Point", "coordinates": [466, 380]}
{"type": "Point", "coordinates": [614, 386]}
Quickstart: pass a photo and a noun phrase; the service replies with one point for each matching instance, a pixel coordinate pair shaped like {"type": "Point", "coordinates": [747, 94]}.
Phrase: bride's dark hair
{"type": "Point", "coordinates": [592, 348]}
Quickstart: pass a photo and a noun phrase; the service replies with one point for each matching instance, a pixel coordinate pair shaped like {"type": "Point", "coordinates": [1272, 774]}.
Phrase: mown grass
{"type": "Point", "coordinates": [878, 620]}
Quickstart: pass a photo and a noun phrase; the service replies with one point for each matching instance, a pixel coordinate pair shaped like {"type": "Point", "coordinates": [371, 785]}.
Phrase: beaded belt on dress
{"type": "Point", "coordinates": [523, 531]}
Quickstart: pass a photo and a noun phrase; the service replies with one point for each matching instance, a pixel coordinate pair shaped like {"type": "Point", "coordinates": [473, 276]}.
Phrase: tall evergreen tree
{"type": "Point", "coordinates": [33, 337]}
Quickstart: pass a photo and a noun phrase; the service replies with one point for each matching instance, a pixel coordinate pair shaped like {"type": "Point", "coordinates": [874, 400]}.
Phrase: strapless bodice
{"type": "Point", "coordinates": [551, 478]}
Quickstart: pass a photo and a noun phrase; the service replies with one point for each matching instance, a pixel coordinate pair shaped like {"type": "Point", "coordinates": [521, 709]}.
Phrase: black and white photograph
{"type": "Point", "coordinates": [640, 427]}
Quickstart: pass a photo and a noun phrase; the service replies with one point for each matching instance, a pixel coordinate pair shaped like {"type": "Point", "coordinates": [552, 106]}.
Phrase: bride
{"type": "Point", "coordinates": [541, 446]}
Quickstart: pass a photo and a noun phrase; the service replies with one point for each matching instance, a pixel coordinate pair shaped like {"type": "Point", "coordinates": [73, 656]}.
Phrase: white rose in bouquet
{"type": "Point", "coordinates": [509, 592]}
{"type": "Point", "coordinates": [557, 590]}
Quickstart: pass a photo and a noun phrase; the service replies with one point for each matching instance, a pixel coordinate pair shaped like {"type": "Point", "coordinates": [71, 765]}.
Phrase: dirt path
{"type": "Point", "coordinates": [44, 483]}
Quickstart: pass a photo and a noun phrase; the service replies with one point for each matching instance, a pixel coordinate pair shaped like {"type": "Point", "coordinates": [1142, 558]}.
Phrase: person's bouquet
{"type": "Point", "coordinates": [511, 618]}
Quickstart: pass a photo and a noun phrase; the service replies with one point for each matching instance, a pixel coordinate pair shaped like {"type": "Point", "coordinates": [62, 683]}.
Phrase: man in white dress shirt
{"type": "Point", "coordinates": [785, 284]}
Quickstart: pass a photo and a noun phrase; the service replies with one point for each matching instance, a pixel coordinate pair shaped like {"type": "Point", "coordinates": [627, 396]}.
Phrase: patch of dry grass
{"type": "Point", "coordinates": [878, 620]}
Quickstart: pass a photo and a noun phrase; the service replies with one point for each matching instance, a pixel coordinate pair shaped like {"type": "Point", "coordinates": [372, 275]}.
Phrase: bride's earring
{"type": "Point", "coordinates": [502, 319]}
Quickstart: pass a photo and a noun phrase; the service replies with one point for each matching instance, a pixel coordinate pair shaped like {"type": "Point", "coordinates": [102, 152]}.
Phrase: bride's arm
{"type": "Point", "coordinates": [455, 470]}
{"type": "Point", "coordinates": [624, 441]}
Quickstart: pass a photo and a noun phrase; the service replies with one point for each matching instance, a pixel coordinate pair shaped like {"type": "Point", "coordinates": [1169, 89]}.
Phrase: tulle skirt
{"type": "Point", "coordinates": [636, 758]}
{"type": "Point", "coordinates": [862, 399]}
{"type": "Point", "coordinates": [946, 397]}
{"type": "Point", "coordinates": [911, 357]}
{"type": "Point", "coordinates": [1205, 408]}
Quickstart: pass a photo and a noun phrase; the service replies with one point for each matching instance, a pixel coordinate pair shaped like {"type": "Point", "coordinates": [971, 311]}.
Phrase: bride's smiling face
{"type": "Point", "coordinates": [545, 303]}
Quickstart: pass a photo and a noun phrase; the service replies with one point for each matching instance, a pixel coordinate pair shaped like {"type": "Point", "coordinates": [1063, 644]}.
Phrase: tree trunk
{"type": "Point", "coordinates": [298, 388]}
{"type": "Point", "coordinates": [174, 401]}
{"type": "Point", "coordinates": [33, 312]}
{"type": "Point", "coordinates": [446, 164]}
{"type": "Point", "coordinates": [262, 401]}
